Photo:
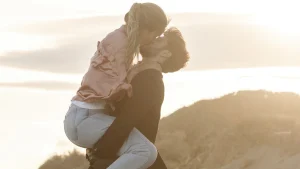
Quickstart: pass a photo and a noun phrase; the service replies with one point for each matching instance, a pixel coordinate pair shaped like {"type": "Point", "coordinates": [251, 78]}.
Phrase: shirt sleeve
{"type": "Point", "coordinates": [146, 94]}
{"type": "Point", "coordinates": [121, 68]}
{"type": "Point", "coordinates": [108, 72]}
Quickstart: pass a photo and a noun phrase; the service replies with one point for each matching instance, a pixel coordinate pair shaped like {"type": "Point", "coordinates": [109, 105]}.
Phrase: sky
{"type": "Point", "coordinates": [37, 9]}
{"type": "Point", "coordinates": [215, 41]}
{"type": "Point", "coordinates": [45, 47]}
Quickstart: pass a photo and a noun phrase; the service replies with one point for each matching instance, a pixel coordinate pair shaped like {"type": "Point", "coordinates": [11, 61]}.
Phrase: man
{"type": "Point", "coordinates": [142, 110]}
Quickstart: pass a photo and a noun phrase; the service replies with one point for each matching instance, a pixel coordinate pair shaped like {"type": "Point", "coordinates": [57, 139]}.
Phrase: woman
{"type": "Point", "coordinates": [105, 83]}
{"type": "Point", "coordinates": [142, 111]}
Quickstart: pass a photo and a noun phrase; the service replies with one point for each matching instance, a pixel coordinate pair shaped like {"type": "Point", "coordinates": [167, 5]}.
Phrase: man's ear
{"type": "Point", "coordinates": [164, 54]}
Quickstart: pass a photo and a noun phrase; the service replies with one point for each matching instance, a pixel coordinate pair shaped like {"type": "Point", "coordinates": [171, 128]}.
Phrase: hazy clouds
{"type": "Point", "coordinates": [214, 41]}
{"type": "Point", "coordinates": [70, 58]}
{"type": "Point", "coordinates": [45, 85]}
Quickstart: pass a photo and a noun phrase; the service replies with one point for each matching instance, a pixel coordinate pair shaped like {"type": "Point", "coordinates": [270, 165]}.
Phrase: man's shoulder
{"type": "Point", "coordinates": [148, 74]}
{"type": "Point", "coordinates": [148, 81]}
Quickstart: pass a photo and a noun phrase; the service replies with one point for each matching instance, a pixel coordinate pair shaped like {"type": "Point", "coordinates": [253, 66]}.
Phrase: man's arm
{"type": "Point", "coordinates": [146, 93]}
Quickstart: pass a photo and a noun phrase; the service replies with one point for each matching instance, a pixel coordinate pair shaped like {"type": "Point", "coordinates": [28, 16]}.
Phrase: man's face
{"type": "Point", "coordinates": [153, 48]}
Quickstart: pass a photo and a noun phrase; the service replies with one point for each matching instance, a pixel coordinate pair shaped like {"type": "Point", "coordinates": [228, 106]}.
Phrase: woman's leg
{"type": "Point", "coordinates": [69, 123]}
{"type": "Point", "coordinates": [136, 153]}
{"type": "Point", "coordinates": [83, 128]}
{"type": "Point", "coordinates": [73, 118]}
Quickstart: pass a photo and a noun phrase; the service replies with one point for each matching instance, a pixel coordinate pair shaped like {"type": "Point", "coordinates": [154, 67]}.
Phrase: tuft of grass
{"type": "Point", "coordinates": [71, 160]}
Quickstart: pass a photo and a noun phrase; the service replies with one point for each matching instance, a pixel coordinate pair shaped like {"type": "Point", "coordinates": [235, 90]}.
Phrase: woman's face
{"type": "Point", "coordinates": [146, 37]}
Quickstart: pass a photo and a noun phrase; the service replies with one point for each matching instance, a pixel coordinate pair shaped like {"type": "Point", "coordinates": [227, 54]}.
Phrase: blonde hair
{"type": "Point", "coordinates": [133, 32]}
{"type": "Point", "coordinates": [142, 16]}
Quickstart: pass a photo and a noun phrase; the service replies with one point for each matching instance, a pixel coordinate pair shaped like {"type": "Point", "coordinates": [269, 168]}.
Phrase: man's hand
{"type": "Point", "coordinates": [97, 163]}
{"type": "Point", "coordinates": [90, 156]}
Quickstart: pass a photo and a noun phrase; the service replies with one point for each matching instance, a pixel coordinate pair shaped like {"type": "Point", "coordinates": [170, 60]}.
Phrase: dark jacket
{"type": "Point", "coordinates": [141, 111]}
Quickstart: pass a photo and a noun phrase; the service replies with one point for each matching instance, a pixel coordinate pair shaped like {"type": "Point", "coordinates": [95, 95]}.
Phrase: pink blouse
{"type": "Point", "coordinates": [106, 76]}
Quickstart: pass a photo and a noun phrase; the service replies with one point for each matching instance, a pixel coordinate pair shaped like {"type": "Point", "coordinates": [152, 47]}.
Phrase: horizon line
{"type": "Point", "coordinates": [28, 19]}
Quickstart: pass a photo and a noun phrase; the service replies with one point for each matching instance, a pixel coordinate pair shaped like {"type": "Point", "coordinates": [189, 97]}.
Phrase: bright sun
{"type": "Point", "coordinates": [12, 41]}
{"type": "Point", "coordinates": [284, 22]}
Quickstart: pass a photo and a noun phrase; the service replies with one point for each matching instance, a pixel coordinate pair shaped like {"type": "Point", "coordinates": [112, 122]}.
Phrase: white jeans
{"type": "Point", "coordinates": [84, 127]}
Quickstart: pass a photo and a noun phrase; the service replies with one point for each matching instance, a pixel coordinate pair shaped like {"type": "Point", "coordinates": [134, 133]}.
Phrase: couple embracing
{"type": "Point", "coordinates": [116, 111]}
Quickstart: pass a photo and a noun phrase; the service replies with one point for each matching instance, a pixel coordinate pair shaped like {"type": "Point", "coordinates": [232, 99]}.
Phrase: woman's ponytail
{"type": "Point", "coordinates": [132, 19]}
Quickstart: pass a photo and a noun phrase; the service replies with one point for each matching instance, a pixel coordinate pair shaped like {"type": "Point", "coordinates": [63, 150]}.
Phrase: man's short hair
{"type": "Point", "coordinates": [176, 45]}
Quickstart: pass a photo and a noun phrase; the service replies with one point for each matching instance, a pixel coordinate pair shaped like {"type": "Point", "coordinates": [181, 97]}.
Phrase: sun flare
{"type": "Point", "coordinates": [281, 22]}
{"type": "Point", "coordinates": [12, 41]}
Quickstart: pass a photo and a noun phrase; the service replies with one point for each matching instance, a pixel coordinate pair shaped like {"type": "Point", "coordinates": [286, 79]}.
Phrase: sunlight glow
{"type": "Point", "coordinates": [36, 114]}
{"type": "Point", "coordinates": [285, 24]}
{"type": "Point", "coordinates": [8, 74]}
{"type": "Point", "coordinates": [45, 129]}
{"type": "Point", "coordinates": [11, 41]}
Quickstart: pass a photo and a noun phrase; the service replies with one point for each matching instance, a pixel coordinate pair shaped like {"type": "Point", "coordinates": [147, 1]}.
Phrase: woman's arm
{"type": "Point", "coordinates": [147, 92]}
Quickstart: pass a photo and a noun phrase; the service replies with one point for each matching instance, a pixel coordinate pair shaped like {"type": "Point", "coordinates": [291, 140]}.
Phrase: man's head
{"type": "Point", "coordinates": [169, 50]}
